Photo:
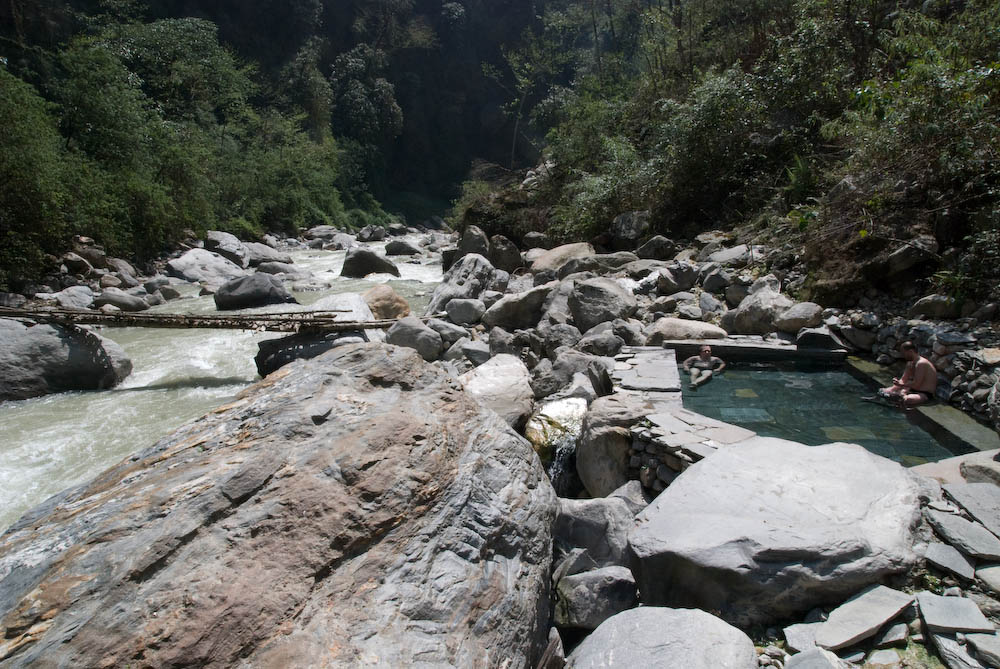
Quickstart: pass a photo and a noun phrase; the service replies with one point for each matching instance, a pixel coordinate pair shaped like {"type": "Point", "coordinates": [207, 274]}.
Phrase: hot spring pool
{"type": "Point", "coordinates": [818, 406]}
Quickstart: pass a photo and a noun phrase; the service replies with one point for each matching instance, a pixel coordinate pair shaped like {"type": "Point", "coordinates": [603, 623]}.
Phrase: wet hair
{"type": "Point", "coordinates": [907, 346]}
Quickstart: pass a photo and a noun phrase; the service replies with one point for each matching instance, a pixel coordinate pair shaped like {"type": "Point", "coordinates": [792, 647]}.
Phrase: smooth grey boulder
{"type": "Point", "coordinates": [257, 290]}
{"type": "Point", "coordinates": [601, 343]}
{"type": "Point", "coordinates": [502, 384]}
{"type": "Point", "coordinates": [411, 332]}
{"type": "Point", "coordinates": [342, 241]}
{"type": "Point", "coordinates": [272, 354]}
{"type": "Point", "coordinates": [363, 472]}
{"type": "Point", "coordinates": [518, 311]}
{"type": "Point", "coordinates": [633, 495]}
{"type": "Point", "coordinates": [401, 247]}
{"type": "Point", "coordinates": [657, 247]}
{"type": "Point", "coordinates": [474, 240]}
{"type": "Point", "coordinates": [258, 253]}
{"type": "Point", "coordinates": [556, 336]}
{"type": "Point", "coordinates": [602, 449]}
{"type": "Point", "coordinates": [792, 527]}
{"type": "Point", "coordinates": [737, 256]}
{"type": "Point", "coordinates": [372, 233]}
{"type": "Point", "coordinates": [662, 637]}
{"type": "Point", "coordinates": [801, 636]}
{"type": "Point", "coordinates": [74, 297]}
{"type": "Point", "coordinates": [201, 266]}
{"type": "Point", "coordinates": [663, 329]}
{"type": "Point", "coordinates": [599, 300]}
{"type": "Point", "coordinates": [450, 332]}
{"type": "Point", "coordinates": [504, 254]}
{"type": "Point", "coordinates": [322, 232]}
{"type": "Point", "coordinates": [39, 359]}
{"type": "Point", "coordinates": [467, 278]}
{"type": "Point", "coordinates": [361, 262]}
{"type": "Point", "coordinates": [476, 352]}
{"type": "Point", "coordinates": [269, 267]}
{"type": "Point", "coordinates": [587, 599]}
{"type": "Point", "coordinates": [599, 526]}
{"type": "Point", "coordinates": [936, 306]}
{"type": "Point", "coordinates": [467, 311]}
{"type": "Point", "coordinates": [971, 538]}
{"type": "Point", "coordinates": [920, 249]}
{"type": "Point", "coordinates": [757, 313]}
{"type": "Point", "coordinates": [861, 617]}
{"type": "Point", "coordinates": [121, 299]}
{"type": "Point", "coordinates": [798, 316]}
{"type": "Point", "coordinates": [716, 281]}
{"type": "Point", "coordinates": [227, 246]}
{"type": "Point", "coordinates": [545, 266]}
{"type": "Point", "coordinates": [76, 264]}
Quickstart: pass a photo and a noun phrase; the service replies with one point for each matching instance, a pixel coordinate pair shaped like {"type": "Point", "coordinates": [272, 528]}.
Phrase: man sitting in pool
{"type": "Point", "coordinates": [701, 366]}
{"type": "Point", "coordinates": [918, 382]}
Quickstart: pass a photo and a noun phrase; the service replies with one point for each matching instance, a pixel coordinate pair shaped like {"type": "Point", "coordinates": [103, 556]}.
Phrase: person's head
{"type": "Point", "coordinates": [705, 351]}
{"type": "Point", "coordinates": [908, 350]}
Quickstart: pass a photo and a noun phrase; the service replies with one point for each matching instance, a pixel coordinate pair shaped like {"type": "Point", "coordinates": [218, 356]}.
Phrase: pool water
{"type": "Point", "coordinates": [818, 406]}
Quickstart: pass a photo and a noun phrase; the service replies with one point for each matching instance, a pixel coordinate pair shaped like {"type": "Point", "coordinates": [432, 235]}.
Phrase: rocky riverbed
{"type": "Point", "coordinates": [375, 503]}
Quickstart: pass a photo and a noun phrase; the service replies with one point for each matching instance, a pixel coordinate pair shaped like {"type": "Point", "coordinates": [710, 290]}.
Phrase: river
{"type": "Point", "coordinates": [50, 443]}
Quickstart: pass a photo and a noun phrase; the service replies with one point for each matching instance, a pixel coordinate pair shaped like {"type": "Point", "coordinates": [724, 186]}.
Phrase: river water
{"type": "Point", "coordinates": [50, 443]}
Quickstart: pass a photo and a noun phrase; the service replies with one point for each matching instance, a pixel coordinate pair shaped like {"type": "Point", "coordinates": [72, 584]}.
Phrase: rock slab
{"type": "Point", "coordinates": [861, 617]}
{"type": "Point", "coordinates": [353, 509]}
{"type": "Point", "coordinates": [770, 529]}
{"type": "Point", "coordinates": [663, 637]}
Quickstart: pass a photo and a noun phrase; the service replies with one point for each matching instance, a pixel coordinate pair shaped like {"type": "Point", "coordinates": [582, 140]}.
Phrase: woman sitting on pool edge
{"type": "Point", "coordinates": [702, 366]}
{"type": "Point", "coordinates": [918, 383]}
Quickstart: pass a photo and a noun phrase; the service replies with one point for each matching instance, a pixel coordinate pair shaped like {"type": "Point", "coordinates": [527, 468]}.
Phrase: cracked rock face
{"type": "Point", "coordinates": [353, 509]}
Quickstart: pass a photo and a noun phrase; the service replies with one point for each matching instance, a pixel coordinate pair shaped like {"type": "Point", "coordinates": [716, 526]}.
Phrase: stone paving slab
{"type": "Point", "coordinates": [946, 558]}
{"type": "Point", "coordinates": [667, 422]}
{"type": "Point", "coordinates": [947, 615]}
{"type": "Point", "coordinates": [971, 538]}
{"type": "Point", "coordinates": [729, 434]}
{"type": "Point", "coordinates": [981, 500]}
{"type": "Point", "coordinates": [861, 617]}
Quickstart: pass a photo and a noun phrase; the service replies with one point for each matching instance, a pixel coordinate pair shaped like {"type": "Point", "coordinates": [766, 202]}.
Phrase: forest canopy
{"type": "Point", "coordinates": [845, 122]}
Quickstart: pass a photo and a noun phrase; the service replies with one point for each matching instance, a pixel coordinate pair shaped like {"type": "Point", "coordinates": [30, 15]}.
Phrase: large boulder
{"type": "Point", "coordinates": [201, 266]}
{"type": "Point", "coordinates": [627, 229]}
{"type": "Point", "coordinates": [657, 248]}
{"type": "Point", "coordinates": [354, 509]}
{"type": "Point", "coordinates": [599, 300]}
{"type": "Point", "coordinates": [272, 354]}
{"type": "Point", "coordinates": [117, 297]}
{"type": "Point", "coordinates": [468, 277]}
{"type": "Point", "coordinates": [550, 377]}
{"type": "Point", "coordinates": [361, 262]}
{"type": "Point", "coordinates": [401, 247]}
{"type": "Point", "coordinates": [74, 297]}
{"type": "Point", "coordinates": [667, 328]}
{"type": "Point", "coordinates": [602, 452]}
{"type": "Point", "coordinates": [38, 359]}
{"type": "Point", "coordinates": [757, 313]}
{"type": "Point", "coordinates": [258, 253]}
{"type": "Point", "coordinates": [661, 637]}
{"type": "Point", "coordinates": [772, 528]}
{"type": "Point", "coordinates": [227, 246]}
{"type": "Point", "coordinates": [502, 384]}
{"type": "Point", "coordinates": [601, 264]}
{"type": "Point", "coordinates": [372, 233]}
{"type": "Point", "coordinates": [547, 264]}
{"type": "Point", "coordinates": [598, 526]}
{"type": "Point", "coordinates": [504, 254]}
{"type": "Point", "coordinates": [411, 332]}
{"type": "Point", "coordinates": [257, 290]}
{"type": "Point", "coordinates": [586, 600]}
{"type": "Point", "coordinates": [798, 316]}
{"type": "Point", "coordinates": [386, 302]}
{"type": "Point", "coordinates": [474, 240]}
{"type": "Point", "coordinates": [518, 311]}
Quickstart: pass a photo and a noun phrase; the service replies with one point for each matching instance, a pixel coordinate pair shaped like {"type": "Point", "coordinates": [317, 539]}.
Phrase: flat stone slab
{"type": "Point", "coordinates": [946, 558]}
{"type": "Point", "coordinates": [861, 617]}
{"type": "Point", "coordinates": [970, 538]}
{"type": "Point", "coordinates": [947, 615]}
{"type": "Point", "coordinates": [729, 434]}
{"type": "Point", "coordinates": [987, 647]}
{"type": "Point", "coordinates": [883, 659]}
{"type": "Point", "coordinates": [801, 637]}
{"type": "Point", "coordinates": [981, 500]}
{"type": "Point", "coordinates": [816, 658]}
{"type": "Point", "coordinates": [668, 422]}
{"type": "Point", "coordinates": [895, 635]}
{"type": "Point", "coordinates": [990, 575]}
{"type": "Point", "coordinates": [953, 653]}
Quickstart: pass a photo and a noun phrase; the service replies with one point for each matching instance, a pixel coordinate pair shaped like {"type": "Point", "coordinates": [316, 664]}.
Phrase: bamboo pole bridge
{"type": "Point", "coordinates": [290, 321]}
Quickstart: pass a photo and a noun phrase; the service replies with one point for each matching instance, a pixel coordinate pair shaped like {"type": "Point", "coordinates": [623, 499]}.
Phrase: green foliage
{"type": "Point", "coordinates": [33, 193]}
